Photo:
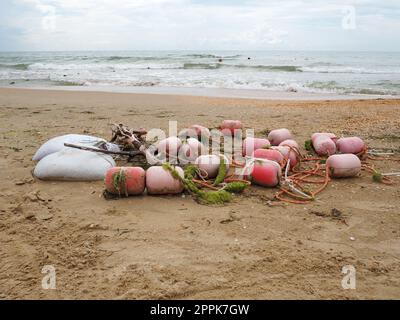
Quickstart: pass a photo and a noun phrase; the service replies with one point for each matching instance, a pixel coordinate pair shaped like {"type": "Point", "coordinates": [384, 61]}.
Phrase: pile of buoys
{"type": "Point", "coordinates": [184, 163]}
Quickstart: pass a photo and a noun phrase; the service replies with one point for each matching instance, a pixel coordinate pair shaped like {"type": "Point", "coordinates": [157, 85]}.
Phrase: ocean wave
{"type": "Point", "coordinates": [211, 56]}
{"type": "Point", "coordinates": [331, 85]}
{"type": "Point", "coordinates": [19, 66]}
{"type": "Point", "coordinates": [242, 66]}
{"type": "Point", "coordinates": [284, 68]}
{"type": "Point", "coordinates": [324, 64]}
{"type": "Point", "coordinates": [67, 83]}
{"type": "Point", "coordinates": [199, 55]}
{"type": "Point", "coordinates": [129, 58]}
{"type": "Point", "coordinates": [202, 65]}
{"type": "Point", "coordinates": [351, 70]}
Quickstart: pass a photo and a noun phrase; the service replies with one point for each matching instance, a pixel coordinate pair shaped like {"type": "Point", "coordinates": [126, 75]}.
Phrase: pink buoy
{"type": "Point", "coordinates": [161, 181]}
{"type": "Point", "coordinates": [190, 150]}
{"type": "Point", "coordinates": [288, 153]}
{"type": "Point", "coordinates": [324, 134]}
{"type": "Point", "coordinates": [169, 147]}
{"type": "Point", "coordinates": [343, 165]}
{"type": "Point", "coordinates": [278, 135]}
{"type": "Point", "coordinates": [324, 146]}
{"type": "Point", "coordinates": [209, 164]}
{"type": "Point", "coordinates": [266, 173]}
{"type": "Point", "coordinates": [125, 180]}
{"type": "Point", "coordinates": [201, 132]}
{"type": "Point", "coordinates": [353, 145]}
{"type": "Point", "coordinates": [290, 143]}
{"type": "Point", "coordinates": [250, 144]}
{"type": "Point", "coordinates": [228, 127]}
{"type": "Point", "coordinates": [269, 154]}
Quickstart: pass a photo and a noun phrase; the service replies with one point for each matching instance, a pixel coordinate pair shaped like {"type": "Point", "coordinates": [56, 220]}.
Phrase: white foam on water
{"type": "Point", "coordinates": [338, 73]}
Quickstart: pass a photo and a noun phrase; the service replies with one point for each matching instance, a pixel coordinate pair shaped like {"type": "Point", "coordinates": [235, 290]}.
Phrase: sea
{"type": "Point", "coordinates": [325, 72]}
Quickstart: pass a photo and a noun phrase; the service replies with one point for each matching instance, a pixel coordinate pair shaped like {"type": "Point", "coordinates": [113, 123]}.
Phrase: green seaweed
{"type": "Point", "coordinates": [173, 172]}
{"type": "Point", "coordinates": [308, 145]}
{"type": "Point", "coordinates": [221, 171]}
{"type": "Point", "coordinates": [119, 182]}
{"type": "Point", "coordinates": [215, 197]}
{"type": "Point", "coordinates": [210, 197]}
{"type": "Point", "coordinates": [190, 171]}
{"type": "Point", "coordinates": [236, 187]}
{"type": "Point", "coordinates": [377, 177]}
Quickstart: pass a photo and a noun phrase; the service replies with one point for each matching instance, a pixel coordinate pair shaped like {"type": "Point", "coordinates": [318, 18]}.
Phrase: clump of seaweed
{"type": "Point", "coordinates": [308, 145]}
{"type": "Point", "coordinates": [119, 182]}
{"type": "Point", "coordinates": [221, 171]}
{"type": "Point", "coordinates": [236, 187]}
{"type": "Point", "coordinates": [377, 177]}
{"type": "Point", "coordinates": [211, 197]}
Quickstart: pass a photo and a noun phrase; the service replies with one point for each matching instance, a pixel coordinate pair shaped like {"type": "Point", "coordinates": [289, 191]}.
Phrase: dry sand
{"type": "Point", "coordinates": [172, 247]}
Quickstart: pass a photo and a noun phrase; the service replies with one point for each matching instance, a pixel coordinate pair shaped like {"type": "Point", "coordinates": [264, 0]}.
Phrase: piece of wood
{"type": "Point", "coordinates": [94, 149]}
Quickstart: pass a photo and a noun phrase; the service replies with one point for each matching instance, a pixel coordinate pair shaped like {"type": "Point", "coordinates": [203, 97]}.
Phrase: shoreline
{"type": "Point", "coordinates": [251, 94]}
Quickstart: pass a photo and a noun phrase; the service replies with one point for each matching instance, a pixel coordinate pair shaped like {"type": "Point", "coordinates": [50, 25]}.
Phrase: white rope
{"type": "Point", "coordinates": [289, 183]}
{"type": "Point", "coordinates": [395, 174]}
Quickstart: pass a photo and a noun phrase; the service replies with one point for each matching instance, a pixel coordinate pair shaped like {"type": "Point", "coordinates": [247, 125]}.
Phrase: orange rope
{"type": "Point", "coordinates": [228, 180]}
{"type": "Point", "coordinates": [205, 184]}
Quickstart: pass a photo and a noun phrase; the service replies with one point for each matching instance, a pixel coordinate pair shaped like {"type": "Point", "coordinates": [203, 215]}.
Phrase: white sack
{"type": "Point", "coordinates": [57, 143]}
{"type": "Point", "coordinates": [74, 165]}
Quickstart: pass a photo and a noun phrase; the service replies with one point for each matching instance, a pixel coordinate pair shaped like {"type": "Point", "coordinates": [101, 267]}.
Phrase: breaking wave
{"type": "Point", "coordinates": [202, 66]}
{"type": "Point", "coordinates": [20, 66]}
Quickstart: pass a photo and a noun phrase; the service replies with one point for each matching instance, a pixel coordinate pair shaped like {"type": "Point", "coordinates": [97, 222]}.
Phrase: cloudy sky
{"type": "Point", "coordinates": [199, 25]}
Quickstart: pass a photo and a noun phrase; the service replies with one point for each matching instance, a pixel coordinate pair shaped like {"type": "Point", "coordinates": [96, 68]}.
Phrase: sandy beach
{"type": "Point", "coordinates": [170, 247]}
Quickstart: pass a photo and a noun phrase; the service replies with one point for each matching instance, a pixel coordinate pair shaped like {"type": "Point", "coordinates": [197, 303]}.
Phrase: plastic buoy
{"type": "Point", "coordinates": [161, 181]}
{"type": "Point", "coordinates": [323, 145]}
{"type": "Point", "coordinates": [278, 135]}
{"type": "Point", "coordinates": [228, 127]}
{"type": "Point", "coordinates": [269, 154]}
{"type": "Point", "coordinates": [210, 164]}
{"type": "Point", "coordinates": [169, 147]}
{"type": "Point", "coordinates": [266, 173]}
{"type": "Point", "coordinates": [250, 144]}
{"type": "Point", "coordinates": [290, 143]}
{"type": "Point", "coordinates": [350, 145]}
{"type": "Point", "coordinates": [201, 132]}
{"type": "Point", "coordinates": [190, 150]}
{"type": "Point", "coordinates": [343, 165]}
{"type": "Point", "coordinates": [324, 134]}
{"type": "Point", "coordinates": [125, 180]}
{"type": "Point", "coordinates": [288, 153]}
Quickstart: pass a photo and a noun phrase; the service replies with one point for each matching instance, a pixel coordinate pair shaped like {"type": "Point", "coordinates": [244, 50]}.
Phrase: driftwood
{"type": "Point", "coordinates": [95, 149]}
{"type": "Point", "coordinates": [128, 139]}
